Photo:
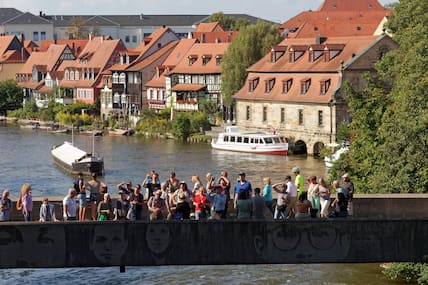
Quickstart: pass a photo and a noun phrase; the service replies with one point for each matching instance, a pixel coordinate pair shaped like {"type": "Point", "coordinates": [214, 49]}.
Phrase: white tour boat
{"type": "Point", "coordinates": [252, 142]}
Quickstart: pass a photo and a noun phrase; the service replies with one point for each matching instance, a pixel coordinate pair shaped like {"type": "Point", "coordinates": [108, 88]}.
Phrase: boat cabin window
{"type": "Point", "coordinates": [239, 139]}
{"type": "Point", "coordinates": [232, 139]}
{"type": "Point", "coordinates": [245, 140]}
{"type": "Point", "coordinates": [226, 138]}
{"type": "Point", "coordinates": [268, 140]}
{"type": "Point", "coordinates": [277, 140]}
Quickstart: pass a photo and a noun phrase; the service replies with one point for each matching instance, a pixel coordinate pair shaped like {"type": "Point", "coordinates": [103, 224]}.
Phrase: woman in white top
{"type": "Point", "coordinates": [281, 202]}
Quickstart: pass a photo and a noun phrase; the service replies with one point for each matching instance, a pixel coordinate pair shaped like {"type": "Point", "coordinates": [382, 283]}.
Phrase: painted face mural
{"type": "Point", "coordinates": [302, 242]}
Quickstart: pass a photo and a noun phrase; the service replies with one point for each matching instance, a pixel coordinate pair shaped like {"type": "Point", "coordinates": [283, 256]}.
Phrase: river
{"type": "Point", "coordinates": [25, 158]}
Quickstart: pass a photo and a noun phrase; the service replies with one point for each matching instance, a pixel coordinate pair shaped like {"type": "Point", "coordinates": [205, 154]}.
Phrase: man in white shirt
{"type": "Point", "coordinates": [70, 206]}
{"type": "Point", "coordinates": [291, 197]}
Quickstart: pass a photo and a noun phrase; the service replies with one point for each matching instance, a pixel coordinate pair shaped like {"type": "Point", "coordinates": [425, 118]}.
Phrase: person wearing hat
{"type": "Point", "coordinates": [349, 187]}
{"type": "Point", "coordinates": [242, 186]}
{"type": "Point", "coordinates": [299, 180]}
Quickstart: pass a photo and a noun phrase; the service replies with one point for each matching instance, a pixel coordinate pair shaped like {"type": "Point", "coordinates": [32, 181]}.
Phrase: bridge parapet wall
{"type": "Point", "coordinates": [84, 244]}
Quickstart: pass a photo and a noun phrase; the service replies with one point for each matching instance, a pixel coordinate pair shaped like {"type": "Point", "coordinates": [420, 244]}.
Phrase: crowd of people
{"type": "Point", "coordinates": [173, 199]}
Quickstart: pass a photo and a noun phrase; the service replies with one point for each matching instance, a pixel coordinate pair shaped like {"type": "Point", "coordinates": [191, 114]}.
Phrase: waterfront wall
{"type": "Point", "coordinates": [365, 206]}
{"type": "Point", "coordinates": [74, 244]}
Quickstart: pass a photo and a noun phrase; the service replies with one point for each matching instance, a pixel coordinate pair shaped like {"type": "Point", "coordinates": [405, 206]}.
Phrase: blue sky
{"type": "Point", "coordinates": [274, 10]}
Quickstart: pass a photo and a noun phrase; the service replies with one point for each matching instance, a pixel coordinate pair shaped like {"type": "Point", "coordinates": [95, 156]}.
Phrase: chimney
{"type": "Point", "coordinates": [41, 13]}
{"type": "Point", "coordinates": [90, 36]}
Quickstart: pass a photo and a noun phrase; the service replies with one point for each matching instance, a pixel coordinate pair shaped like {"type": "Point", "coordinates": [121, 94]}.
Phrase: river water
{"type": "Point", "coordinates": [25, 158]}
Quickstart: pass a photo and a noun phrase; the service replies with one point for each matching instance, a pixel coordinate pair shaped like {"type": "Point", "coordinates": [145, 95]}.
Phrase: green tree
{"type": "Point", "coordinates": [251, 44]}
{"type": "Point", "coordinates": [11, 95]}
{"type": "Point", "coordinates": [78, 28]}
{"type": "Point", "coordinates": [226, 21]}
{"type": "Point", "coordinates": [181, 125]}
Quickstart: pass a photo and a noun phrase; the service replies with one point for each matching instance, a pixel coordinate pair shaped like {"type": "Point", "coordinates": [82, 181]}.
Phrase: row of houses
{"type": "Point", "coordinates": [295, 89]}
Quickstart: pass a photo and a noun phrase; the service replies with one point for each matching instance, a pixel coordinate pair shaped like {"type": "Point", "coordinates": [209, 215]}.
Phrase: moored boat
{"type": "Point", "coordinates": [251, 142]}
{"type": "Point", "coordinates": [120, 132]}
{"type": "Point", "coordinates": [75, 160]}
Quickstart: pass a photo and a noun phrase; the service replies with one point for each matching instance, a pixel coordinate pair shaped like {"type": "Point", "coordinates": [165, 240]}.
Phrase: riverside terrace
{"type": "Point", "coordinates": [396, 232]}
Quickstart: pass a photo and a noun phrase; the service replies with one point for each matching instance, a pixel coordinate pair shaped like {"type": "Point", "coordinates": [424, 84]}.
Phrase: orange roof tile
{"type": "Point", "coordinates": [97, 54]}
{"type": "Point", "coordinates": [198, 67]}
{"type": "Point", "coordinates": [338, 18]}
{"type": "Point", "coordinates": [48, 58]}
{"type": "Point", "coordinates": [170, 62]}
{"type": "Point", "coordinates": [151, 58]}
{"type": "Point", "coordinates": [345, 46]}
{"type": "Point", "coordinates": [209, 27]}
{"type": "Point", "coordinates": [214, 37]}
{"type": "Point", "coordinates": [346, 5]}
{"type": "Point", "coordinates": [294, 94]}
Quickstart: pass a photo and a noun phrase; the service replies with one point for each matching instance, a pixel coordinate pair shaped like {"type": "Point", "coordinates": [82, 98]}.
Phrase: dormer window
{"type": "Point", "coordinates": [276, 52]}
{"type": "Point", "coordinates": [304, 85]}
{"type": "Point", "coordinates": [286, 85]}
{"type": "Point", "coordinates": [192, 59]}
{"type": "Point", "coordinates": [324, 86]}
{"type": "Point", "coordinates": [269, 84]}
{"type": "Point", "coordinates": [205, 59]}
{"type": "Point", "coordinates": [332, 50]}
{"type": "Point", "coordinates": [296, 52]}
{"type": "Point", "coordinates": [252, 84]}
{"type": "Point", "coordinates": [218, 59]}
{"type": "Point", "coordinates": [315, 52]}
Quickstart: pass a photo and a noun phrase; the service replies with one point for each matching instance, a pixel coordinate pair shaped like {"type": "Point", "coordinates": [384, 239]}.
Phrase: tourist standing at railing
{"type": "Point", "coordinates": [70, 206]}
{"type": "Point", "coordinates": [292, 194]}
{"type": "Point", "coordinates": [314, 195]}
{"type": "Point", "coordinates": [5, 206]}
{"type": "Point", "coordinates": [94, 186]}
{"type": "Point", "coordinates": [79, 185]}
{"type": "Point", "coordinates": [27, 202]}
{"type": "Point", "coordinates": [267, 194]}
{"type": "Point", "coordinates": [224, 183]}
{"type": "Point", "coordinates": [218, 202]}
{"type": "Point", "coordinates": [259, 205]}
{"type": "Point", "coordinates": [349, 186]}
{"type": "Point", "coordinates": [324, 198]}
{"type": "Point", "coordinates": [47, 212]}
{"type": "Point", "coordinates": [121, 207]}
{"type": "Point", "coordinates": [299, 181]}
{"type": "Point", "coordinates": [242, 186]}
{"type": "Point", "coordinates": [136, 199]}
{"type": "Point", "coordinates": [281, 201]}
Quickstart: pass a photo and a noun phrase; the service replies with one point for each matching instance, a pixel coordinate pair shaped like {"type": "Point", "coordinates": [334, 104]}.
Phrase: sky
{"type": "Point", "coordinates": [273, 10]}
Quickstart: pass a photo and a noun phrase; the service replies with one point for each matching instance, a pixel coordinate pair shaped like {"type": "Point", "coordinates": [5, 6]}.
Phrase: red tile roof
{"type": "Point", "coordinates": [348, 46]}
{"type": "Point", "coordinates": [338, 18]}
{"type": "Point", "coordinates": [97, 54]}
{"type": "Point", "coordinates": [336, 54]}
{"type": "Point", "coordinates": [153, 57]}
{"type": "Point", "coordinates": [198, 67]}
{"type": "Point", "coordinates": [346, 5]}
{"type": "Point", "coordinates": [75, 45]}
{"type": "Point", "coordinates": [48, 58]}
{"type": "Point", "coordinates": [294, 94]}
{"type": "Point", "coordinates": [209, 27]}
{"type": "Point", "coordinates": [171, 61]}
